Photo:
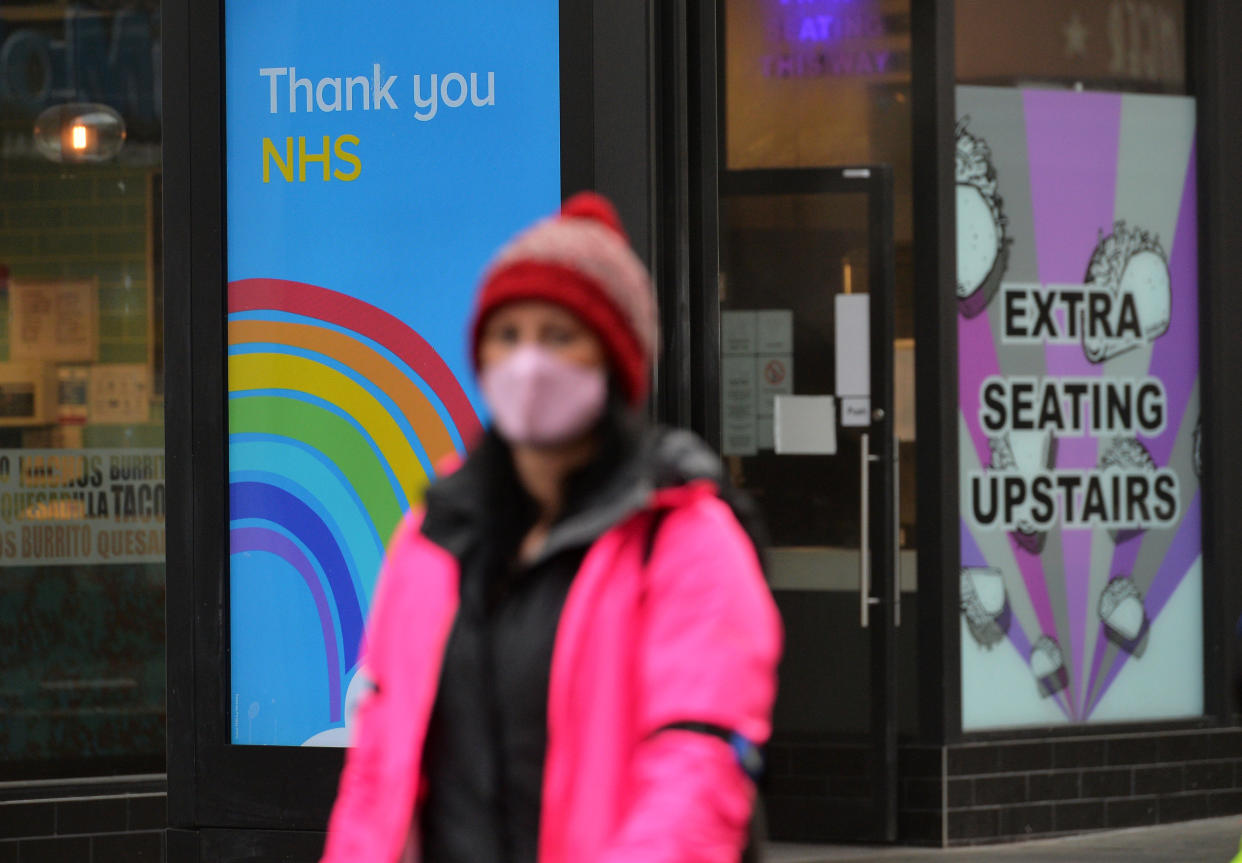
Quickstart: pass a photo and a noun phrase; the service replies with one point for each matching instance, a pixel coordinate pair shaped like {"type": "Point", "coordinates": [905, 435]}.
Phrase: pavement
{"type": "Point", "coordinates": [1214, 840]}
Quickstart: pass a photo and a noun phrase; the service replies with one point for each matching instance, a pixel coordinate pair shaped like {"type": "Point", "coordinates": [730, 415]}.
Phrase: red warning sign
{"type": "Point", "coordinates": [774, 372]}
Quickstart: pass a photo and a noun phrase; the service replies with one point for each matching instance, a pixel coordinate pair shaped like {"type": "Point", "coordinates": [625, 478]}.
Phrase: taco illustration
{"type": "Point", "coordinates": [985, 604]}
{"type": "Point", "coordinates": [1048, 666]}
{"type": "Point", "coordinates": [1131, 265]}
{"type": "Point", "coordinates": [1126, 455]}
{"type": "Point", "coordinates": [1124, 616]}
{"type": "Point", "coordinates": [982, 246]}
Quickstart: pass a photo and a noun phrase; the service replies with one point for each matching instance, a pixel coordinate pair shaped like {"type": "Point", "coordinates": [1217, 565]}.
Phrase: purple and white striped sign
{"type": "Point", "coordinates": [1079, 407]}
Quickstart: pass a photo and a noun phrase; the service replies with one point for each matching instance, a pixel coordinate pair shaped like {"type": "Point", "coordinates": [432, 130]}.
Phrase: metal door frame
{"type": "Point", "coordinates": [884, 599]}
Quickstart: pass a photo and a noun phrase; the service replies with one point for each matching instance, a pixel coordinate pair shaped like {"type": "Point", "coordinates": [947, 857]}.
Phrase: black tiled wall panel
{"type": "Point", "coordinates": [1001, 791]}
{"type": "Point", "coordinates": [103, 828]}
{"type": "Point", "coordinates": [966, 794]}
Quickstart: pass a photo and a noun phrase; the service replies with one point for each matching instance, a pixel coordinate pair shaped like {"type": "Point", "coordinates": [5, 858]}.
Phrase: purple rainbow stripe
{"type": "Point", "coordinates": [972, 555]}
{"type": "Point", "coordinates": [255, 500]}
{"type": "Point", "coordinates": [1035, 574]}
{"type": "Point", "coordinates": [1073, 147]}
{"type": "Point", "coordinates": [1032, 569]}
{"type": "Point", "coordinates": [1097, 662]}
{"type": "Point", "coordinates": [1076, 563]}
{"type": "Point", "coordinates": [1125, 556]}
{"type": "Point", "coordinates": [977, 361]}
{"type": "Point", "coordinates": [1186, 547]}
{"type": "Point", "coordinates": [1175, 362]}
{"type": "Point", "coordinates": [249, 539]}
{"type": "Point", "coordinates": [1175, 356]}
{"type": "Point", "coordinates": [1022, 644]}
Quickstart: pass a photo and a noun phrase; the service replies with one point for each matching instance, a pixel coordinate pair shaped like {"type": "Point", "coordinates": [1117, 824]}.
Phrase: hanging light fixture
{"type": "Point", "coordinates": [79, 132]}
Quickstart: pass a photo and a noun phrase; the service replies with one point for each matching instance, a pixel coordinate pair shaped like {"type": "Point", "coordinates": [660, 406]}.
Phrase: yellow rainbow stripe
{"type": "Point", "coordinates": [279, 371]}
{"type": "Point", "coordinates": [417, 409]}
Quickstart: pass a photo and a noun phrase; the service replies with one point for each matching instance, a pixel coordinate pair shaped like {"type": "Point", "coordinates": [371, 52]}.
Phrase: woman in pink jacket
{"type": "Point", "coordinates": [572, 653]}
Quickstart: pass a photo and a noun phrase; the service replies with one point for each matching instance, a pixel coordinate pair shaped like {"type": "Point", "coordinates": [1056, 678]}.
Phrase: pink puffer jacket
{"type": "Point", "coordinates": [691, 636]}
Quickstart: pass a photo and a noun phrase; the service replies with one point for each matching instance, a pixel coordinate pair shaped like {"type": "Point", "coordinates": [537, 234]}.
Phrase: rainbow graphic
{"type": "Point", "coordinates": [338, 415]}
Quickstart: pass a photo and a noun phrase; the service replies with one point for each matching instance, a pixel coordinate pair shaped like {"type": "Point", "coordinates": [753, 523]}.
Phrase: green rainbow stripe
{"type": "Point", "coordinates": [329, 434]}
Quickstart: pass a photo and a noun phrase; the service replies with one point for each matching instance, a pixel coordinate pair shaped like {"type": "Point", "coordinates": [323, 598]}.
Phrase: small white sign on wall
{"type": "Point", "coordinates": [765, 429]}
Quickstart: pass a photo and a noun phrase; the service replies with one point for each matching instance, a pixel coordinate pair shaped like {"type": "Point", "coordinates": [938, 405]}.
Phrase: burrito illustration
{"type": "Point", "coordinates": [1026, 453]}
{"type": "Point", "coordinates": [1124, 616]}
{"type": "Point", "coordinates": [982, 247]}
{"type": "Point", "coordinates": [1126, 455]}
{"type": "Point", "coordinates": [1048, 666]}
{"type": "Point", "coordinates": [1133, 268]}
{"type": "Point", "coordinates": [985, 604]}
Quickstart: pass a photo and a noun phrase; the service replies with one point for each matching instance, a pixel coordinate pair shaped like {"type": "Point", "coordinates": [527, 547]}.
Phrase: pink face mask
{"type": "Point", "coordinates": [538, 399]}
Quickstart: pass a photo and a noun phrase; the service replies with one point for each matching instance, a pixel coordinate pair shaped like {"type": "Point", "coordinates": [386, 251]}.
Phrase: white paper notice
{"type": "Point", "coordinates": [737, 333]}
{"type": "Point", "coordinates": [740, 438]}
{"type": "Point", "coordinates": [766, 429]}
{"type": "Point", "coordinates": [738, 401]}
{"type": "Point", "coordinates": [775, 378]}
{"type": "Point", "coordinates": [805, 425]}
{"type": "Point", "coordinates": [774, 331]}
{"type": "Point", "coordinates": [853, 326]}
{"type": "Point", "coordinates": [119, 393]}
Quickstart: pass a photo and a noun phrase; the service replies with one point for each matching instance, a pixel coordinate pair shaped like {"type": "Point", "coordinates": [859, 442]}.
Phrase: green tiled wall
{"type": "Point", "coordinates": [61, 222]}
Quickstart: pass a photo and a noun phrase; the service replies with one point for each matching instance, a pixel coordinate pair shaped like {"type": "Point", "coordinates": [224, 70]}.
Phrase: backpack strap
{"type": "Point", "coordinates": [749, 756]}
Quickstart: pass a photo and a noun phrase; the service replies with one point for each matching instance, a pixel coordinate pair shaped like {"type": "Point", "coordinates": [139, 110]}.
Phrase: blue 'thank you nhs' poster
{"type": "Point", "coordinates": [377, 153]}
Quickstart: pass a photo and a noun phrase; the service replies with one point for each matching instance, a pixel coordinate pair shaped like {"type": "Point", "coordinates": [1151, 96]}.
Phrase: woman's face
{"type": "Point", "coordinates": [535, 322]}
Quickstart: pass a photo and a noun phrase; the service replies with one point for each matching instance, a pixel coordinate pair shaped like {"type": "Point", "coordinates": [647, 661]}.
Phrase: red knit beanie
{"type": "Point", "coordinates": [581, 260]}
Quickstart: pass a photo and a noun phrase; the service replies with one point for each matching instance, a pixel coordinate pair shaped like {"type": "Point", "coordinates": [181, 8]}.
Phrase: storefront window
{"type": "Point", "coordinates": [81, 389]}
{"type": "Point", "coordinates": [1077, 295]}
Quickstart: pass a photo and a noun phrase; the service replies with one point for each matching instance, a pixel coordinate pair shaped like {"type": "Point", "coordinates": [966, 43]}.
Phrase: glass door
{"type": "Point", "coordinates": [807, 429]}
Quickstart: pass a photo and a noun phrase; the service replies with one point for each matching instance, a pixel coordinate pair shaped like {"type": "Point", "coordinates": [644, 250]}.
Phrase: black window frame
{"type": "Point", "coordinates": [213, 785]}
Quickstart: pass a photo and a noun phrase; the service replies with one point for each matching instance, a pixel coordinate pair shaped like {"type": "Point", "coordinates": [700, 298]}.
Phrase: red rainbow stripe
{"type": "Point", "coordinates": [299, 298]}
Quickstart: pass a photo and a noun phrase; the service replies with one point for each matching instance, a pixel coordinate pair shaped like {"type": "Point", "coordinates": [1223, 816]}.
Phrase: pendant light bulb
{"type": "Point", "coordinates": [79, 132]}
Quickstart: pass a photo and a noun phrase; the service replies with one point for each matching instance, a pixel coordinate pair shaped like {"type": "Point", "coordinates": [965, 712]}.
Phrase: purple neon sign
{"type": "Point", "coordinates": [827, 38]}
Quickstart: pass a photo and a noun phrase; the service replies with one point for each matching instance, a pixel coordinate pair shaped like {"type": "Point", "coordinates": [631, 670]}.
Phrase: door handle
{"type": "Point", "coordinates": [896, 531]}
{"type": "Point", "coordinates": [865, 599]}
